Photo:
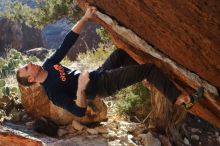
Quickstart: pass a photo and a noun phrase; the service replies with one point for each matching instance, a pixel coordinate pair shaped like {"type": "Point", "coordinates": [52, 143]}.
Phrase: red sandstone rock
{"type": "Point", "coordinates": [180, 37]}
{"type": "Point", "coordinates": [186, 31]}
{"type": "Point", "coordinates": [12, 137]}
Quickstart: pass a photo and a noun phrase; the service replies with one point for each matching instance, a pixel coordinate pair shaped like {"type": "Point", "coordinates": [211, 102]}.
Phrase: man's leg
{"type": "Point", "coordinates": [117, 59]}
{"type": "Point", "coordinates": [113, 80]}
{"type": "Point", "coordinates": [116, 79]}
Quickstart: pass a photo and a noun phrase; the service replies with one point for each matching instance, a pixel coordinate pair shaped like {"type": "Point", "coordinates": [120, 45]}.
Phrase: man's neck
{"type": "Point", "coordinates": [42, 76]}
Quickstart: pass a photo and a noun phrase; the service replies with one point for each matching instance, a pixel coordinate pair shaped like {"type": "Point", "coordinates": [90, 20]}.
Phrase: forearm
{"type": "Point", "coordinates": [81, 99]}
{"type": "Point", "coordinates": [77, 28]}
{"type": "Point", "coordinates": [83, 80]}
{"type": "Point", "coordinates": [90, 12]}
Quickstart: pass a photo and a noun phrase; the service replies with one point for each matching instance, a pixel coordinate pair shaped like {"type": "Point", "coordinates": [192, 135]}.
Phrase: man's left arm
{"type": "Point", "coordinates": [81, 98]}
{"type": "Point", "coordinates": [64, 101]}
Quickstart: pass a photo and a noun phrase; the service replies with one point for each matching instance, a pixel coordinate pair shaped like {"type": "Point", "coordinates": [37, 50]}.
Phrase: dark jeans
{"type": "Point", "coordinates": [120, 71]}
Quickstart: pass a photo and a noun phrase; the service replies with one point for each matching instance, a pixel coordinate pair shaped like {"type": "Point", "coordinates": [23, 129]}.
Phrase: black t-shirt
{"type": "Point", "coordinates": [61, 83]}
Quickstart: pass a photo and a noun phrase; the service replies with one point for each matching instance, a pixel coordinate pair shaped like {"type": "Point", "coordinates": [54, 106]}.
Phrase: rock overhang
{"type": "Point", "coordinates": [160, 32]}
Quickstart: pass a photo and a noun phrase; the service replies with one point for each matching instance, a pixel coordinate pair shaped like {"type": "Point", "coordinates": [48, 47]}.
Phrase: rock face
{"type": "Point", "coordinates": [180, 37]}
{"type": "Point", "coordinates": [185, 31]}
{"type": "Point", "coordinates": [37, 104]}
{"type": "Point", "coordinates": [19, 36]}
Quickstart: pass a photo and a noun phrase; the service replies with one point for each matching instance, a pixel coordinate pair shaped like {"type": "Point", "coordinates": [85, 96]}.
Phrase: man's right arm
{"type": "Point", "coordinates": [72, 36]}
{"type": "Point", "coordinates": [90, 11]}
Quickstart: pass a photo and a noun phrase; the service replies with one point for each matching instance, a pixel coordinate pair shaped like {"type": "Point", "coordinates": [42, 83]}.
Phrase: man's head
{"type": "Point", "coordinates": [28, 74]}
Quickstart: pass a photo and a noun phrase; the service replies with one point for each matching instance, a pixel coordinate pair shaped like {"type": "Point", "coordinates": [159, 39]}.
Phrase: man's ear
{"type": "Point", "coordinates": [31, 79]}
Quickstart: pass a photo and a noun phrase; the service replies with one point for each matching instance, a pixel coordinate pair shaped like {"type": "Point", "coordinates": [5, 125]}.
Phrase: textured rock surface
{"type": "Point", "coordinates": [37, 104]}
{"type": "Point", "coordinates": [19, 36]}
{"type": "Point", "coordinates": [24, 137]}
{"type": "Point", "coordinates": [149, 140]}
{"type": "Point", "coordinates": [179, 37]}
{"type": "Point", "coordinates": [186, 31]}
{"type": "Point", "coordinates": [10, 136]}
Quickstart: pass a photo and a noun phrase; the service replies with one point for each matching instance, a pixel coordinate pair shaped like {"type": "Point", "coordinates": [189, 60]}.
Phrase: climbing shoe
{"type": "Point", "coordinates": [195, 97]}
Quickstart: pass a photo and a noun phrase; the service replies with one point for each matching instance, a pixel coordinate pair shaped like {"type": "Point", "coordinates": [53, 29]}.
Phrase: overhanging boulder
{"type": "Point", "coordinates": [180, 37]}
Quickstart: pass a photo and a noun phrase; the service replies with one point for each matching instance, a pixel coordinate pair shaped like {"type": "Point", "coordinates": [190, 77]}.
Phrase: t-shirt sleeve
{"type": "Point", "coordinates": [65, 102]}
{"type": "Point", "coordinates": [67, 43]}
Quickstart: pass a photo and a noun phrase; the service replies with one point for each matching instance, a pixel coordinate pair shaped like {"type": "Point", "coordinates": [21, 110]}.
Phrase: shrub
{"type": "Point", "coordinates": [9, 93]}
{"type": "Point", "coordinates": [13, 60]}
{"type": "Point", "coordinates": [44, 13]}
{"type": "Point", "coordinates": [133, 100]}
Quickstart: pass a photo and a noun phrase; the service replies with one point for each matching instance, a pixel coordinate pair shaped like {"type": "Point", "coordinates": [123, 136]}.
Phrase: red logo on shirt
{"type": "Point", "coordinates": [61, 71]}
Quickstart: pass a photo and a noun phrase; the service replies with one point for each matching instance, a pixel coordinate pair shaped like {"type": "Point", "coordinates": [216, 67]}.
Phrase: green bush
{"type": "Point", "coordinates": [46, 11]}
{"type": "Point", "coordinates": [9, 93]}
{"type": "Point", "coordinates": [2, 83]}
{"type": "Point", "coordinates": [7, 90]}
{"type": "Point", "coordinates": [2, 62]}
{"type": "Point", "coordinates": [8, 100]}
{"type": "Point", "coordinates": [103, 35]}
{"type": "Point", "coordinates": [13, 60]}
{"type": "Point", "coordinates": [133, 100]}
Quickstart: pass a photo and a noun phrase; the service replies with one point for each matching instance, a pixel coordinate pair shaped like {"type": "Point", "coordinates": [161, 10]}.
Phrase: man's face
{"type": "Point", "coordinates": [31, 71]}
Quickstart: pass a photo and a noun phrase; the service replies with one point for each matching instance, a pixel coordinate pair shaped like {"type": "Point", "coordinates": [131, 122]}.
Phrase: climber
{"type": "Point", "coordinates": [70, 89]}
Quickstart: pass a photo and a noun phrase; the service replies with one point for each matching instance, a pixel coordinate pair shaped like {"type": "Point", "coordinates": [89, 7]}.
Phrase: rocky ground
{"type": "Point", "coordinates": [197, 132]}
{"type": "Point", "coordinates": [117, 131]}
{"type": "Point", "coordinates": [201, 133]}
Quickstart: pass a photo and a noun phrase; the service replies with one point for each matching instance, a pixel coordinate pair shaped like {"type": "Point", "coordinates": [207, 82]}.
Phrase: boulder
{"type": "Point", "coordinates": [37, 104]}
{"type": "Point", "coordinates": [18, 36]}
{"type": "Point", "coordinates": [180, 37]}
{"type": "Point", "coordinates": [149, 140]}
{"type": "Point", "coordinates": [40, 53]}
{"type": "Point", "coordinates": [24, 137]}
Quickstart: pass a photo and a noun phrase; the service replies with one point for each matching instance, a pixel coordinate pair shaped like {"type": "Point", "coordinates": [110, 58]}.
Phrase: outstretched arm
{"type": "Point", "coordinates": [90, 11]}
{"type": "Point", "coordinates": [72, 36]}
